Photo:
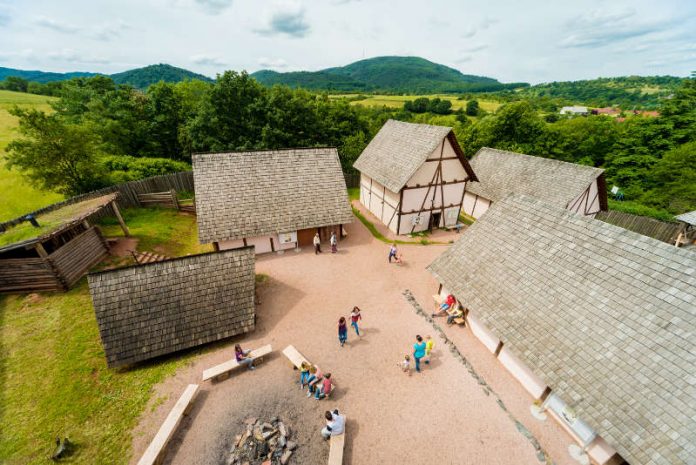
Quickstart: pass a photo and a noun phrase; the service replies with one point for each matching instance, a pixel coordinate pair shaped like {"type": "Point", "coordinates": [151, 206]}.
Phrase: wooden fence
{"type": "Point", "coordinates": [660, 230]}
{"type": "Point", "coordinates": [161, 199]}
{"type": "Point", "coordinates": [352, 179]}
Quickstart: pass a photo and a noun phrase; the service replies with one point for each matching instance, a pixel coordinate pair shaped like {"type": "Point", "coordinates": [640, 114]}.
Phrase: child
{"type": "Point", "coordinates": [392, 252]}
{"type": "Point", "coordinates": [242, 356]}
{"type": "Point", "coordinates": [342, 331]}
{"type": "Point", "coordinates": [405, 365]}
{"type": "Point", "coordinates": [428, 348]}
{"type": "Point", "coordinates": [304, 374]}
{"type": "Point", "coordinates": [354, 317]}
{"type": "Point", "coordinates": [315, 377]}
{"type": "Point", "coordinates": [325, 388]}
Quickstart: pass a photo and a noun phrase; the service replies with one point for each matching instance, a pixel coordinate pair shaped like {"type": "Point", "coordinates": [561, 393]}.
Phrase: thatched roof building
{"type": "Point", "coordinates": [272, 199]}
{"type": "Point", "coordinates": [606, 317]}
{"type": "Point", "coordinates": [578, 188]}
{"type": "Point", "coordinates": [144, 311]}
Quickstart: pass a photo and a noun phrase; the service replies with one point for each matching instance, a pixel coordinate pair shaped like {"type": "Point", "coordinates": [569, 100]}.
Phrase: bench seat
{"type": "Point", "coordinates": [295, 357]}
{"type": "Point", "coordinates": [230, 365]}
{"type": "Point", "coordinates": [336, 446]}
{"type": "Point", "coordinates": [166, 431]}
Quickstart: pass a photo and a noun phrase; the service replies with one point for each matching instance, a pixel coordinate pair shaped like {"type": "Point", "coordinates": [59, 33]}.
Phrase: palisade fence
{"type": "Point", "coordinates": [660, 230]}
{"type": "Point", "coordinates": [129, 191]}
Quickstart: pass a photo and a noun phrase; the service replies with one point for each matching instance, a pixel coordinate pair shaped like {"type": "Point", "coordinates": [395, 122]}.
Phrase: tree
{"type": "Point", "coordinates": [674, 180]}
{"type": "Point", "coordinates": [419, 105]}
{"type": "Point", "coordinates": [55, 154]}
{"type": "Point", "coordinates": [472, 107]}
{"type": "Point", "coordinates": [16, 84]}
{"type": "Point", "coordinates": [163, 113]}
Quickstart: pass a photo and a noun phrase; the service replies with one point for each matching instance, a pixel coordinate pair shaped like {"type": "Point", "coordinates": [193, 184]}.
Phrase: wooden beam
{"type": "Point", "coordinates": [499, 348]}
{"type": "Point", "coordinates": [40, 250]}
{"type": "Point", "coordinates": [419, 186]}
{"type": "Point", "coordinates": [120, 218]}
{"type": "Point", "coordinates": [216, 246]}
{"type": "Point", "coordinates": [401, 203]}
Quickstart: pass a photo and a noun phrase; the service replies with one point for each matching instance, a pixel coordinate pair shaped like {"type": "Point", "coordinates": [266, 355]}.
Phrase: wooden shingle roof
{"type": "Point", "coordinates": [605, 316]}
{"type": "Point", "coordinates": [247, 194]}
{"type": "Point", "coordinates": [397, 151]}
{"type": "Point", "coordinates": [144, 311]}
{"type": "Point", "coordinates": [688, 218]}
{"type": "Point", "coordinates": [556, 182]}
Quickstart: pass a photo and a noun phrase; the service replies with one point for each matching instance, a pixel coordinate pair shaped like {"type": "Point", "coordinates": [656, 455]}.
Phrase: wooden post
{"type": "Point", "coordinates": [40, 250]}
{"type": "Point", "coordinates": [120, 218]}
{"type": "Point", "coordinates": [175, 201]}
{"type": "Point", "coordinates": [499, 348]}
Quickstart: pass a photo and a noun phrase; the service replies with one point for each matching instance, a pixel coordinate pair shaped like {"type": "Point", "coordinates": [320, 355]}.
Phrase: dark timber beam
{"type": "Point", "coordinates": [117, 212]}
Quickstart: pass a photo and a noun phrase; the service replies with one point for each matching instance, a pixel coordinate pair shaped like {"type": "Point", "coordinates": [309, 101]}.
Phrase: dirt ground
{"type": "Point", "coordinates": [463, 409]}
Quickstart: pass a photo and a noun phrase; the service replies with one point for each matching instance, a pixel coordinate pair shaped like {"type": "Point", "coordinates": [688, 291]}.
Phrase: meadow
{"type": "Point", "coordinates": [17, 196]}
{"type": "Point", "coordinates": [397, 101]}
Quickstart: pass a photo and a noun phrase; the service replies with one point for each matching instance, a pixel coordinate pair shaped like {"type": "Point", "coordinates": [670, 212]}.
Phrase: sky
{"type": "Point", "coordinates": [512, 41]}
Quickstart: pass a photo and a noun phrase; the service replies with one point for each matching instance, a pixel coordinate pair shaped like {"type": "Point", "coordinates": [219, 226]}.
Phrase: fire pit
{"type": "Point", "coordinates": [262, 443]}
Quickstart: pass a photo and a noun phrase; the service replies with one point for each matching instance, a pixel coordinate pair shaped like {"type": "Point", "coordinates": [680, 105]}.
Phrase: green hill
{"type": "Point", "coordinates": [144, 77]}
{"type": "Point", "coordinates": [386, 74]}
{"type": "Point", "coordinates": [41, 76]}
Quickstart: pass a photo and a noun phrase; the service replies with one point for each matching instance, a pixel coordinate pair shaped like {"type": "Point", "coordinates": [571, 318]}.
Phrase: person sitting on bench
{"type": "Point", "coordinates": [454, 313]}
{"type": "Point", "coordinates": [335, 424]}
{"type": "Point", "coordinates": [446, 305]}
{"type": "Point", "coordinates": [324, 389]}
{"type": "Point", "coordinates": [242, 356]}
{"type": "Point", "coordinates": [315, 376]}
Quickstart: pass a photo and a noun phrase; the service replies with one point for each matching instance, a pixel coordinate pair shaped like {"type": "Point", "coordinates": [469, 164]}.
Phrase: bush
{"type": "Point", "coordinates": [122, 168]}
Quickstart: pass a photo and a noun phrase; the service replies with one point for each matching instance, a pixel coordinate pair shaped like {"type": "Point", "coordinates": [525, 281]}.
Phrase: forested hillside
{"type": "Point", "coordinates": [142, 78]}
{"type": "Point", "coordinates": [41, 76]}
{"type": "Point", "coordinates": [102, 133]}
{"type": "Point", "coordinates": [386, 74]}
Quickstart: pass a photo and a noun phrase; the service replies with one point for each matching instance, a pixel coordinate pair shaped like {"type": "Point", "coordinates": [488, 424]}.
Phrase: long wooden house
{"type": "Point", "coordinates": [413, 176]}
{"type": "Point", "coordinates": [57, 251]}
{"type": "Point", "coordinates": [578, 188]}
{"type": "Point", "coordinates": [596, 321]}
{"type": "Point", "coordinates": [273, 200]}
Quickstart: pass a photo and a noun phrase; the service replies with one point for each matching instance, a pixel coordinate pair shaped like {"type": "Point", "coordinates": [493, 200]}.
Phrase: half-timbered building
{"type": "Point", "coordinates": [413, 176]}
{"type": "Point", "coordinates": [578, 188]}
{"type": "Point", "coordinates": [273, 200]}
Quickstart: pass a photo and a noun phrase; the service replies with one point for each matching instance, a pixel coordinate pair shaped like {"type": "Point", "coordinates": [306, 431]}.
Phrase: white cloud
{"type": "Point", "coordinates": [285, 18]}
{"type": "Point", "coordinates": [214, 7]}
{"type": "Point", "coordinates": [272, 63]}
{"type": "Point", "coordinates": [110, 31]}
{"type": "Point", "coordinates": [208, 60]}
{"type": "Point", "coordinates": [56, 25]}
{"type": "Point", "coordinates": [73, 56]}
{"type": "Point", "coordinates": [474, 48]}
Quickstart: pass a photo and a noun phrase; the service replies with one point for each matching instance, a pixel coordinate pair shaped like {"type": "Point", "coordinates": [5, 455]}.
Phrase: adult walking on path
{"type": "Point", "coordinates": [242, 357]}
{"type": "Point", "coordinates": [354, 317]}
{"type": "Point", "coordinates": [334, 242]}
{"type": "Point", "coordinates": [418, 351]}
{"type": "Point", "coordinates": [335, 424]}
{"type": "Point", "coordinates": [317, 244]}
{"type": "Point", "coordinates": [342, 331]}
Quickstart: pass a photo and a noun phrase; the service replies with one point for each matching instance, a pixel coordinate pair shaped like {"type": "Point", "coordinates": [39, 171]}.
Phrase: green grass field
{"type": "Point", "coordinates": [397, 101]}
{"type": "Point", "coordinates": [53, 375]}
{"type": "Point", "coordinates": [17, 196]}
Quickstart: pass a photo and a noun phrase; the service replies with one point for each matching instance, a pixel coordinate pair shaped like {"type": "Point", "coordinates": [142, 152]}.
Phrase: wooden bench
{"type": "Point", "coordinates": [224, 368]}
{"type": "Point", "coordinates": [295, 357]}
{"type": "Point", "coordinates": [437, 299]}
{"type": "Point", "coordinates": [460, 321]}
{"type": "Point", "coordinates": [153, 454]}
{"type": "Point", "coordinates": [336, 447]}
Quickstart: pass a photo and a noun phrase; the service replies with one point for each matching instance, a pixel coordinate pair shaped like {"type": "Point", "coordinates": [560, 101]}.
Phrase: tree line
{"type": "Point", "coordinates": [100, 133]}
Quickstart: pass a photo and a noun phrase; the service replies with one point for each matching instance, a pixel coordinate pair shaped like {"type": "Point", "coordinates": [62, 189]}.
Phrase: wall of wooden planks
{"type": "Point", "coordinates": [161, 199]}
{"type": "Point", "coordinates": [660, 230]}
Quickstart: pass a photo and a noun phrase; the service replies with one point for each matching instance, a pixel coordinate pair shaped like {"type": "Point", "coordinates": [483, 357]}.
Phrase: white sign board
{"type": "Point", "coordinates": [288, 237]}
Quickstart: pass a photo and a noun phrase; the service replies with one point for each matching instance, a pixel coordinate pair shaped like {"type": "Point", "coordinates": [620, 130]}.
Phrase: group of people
{"type": "Point", "coordinates": [449, 308]}
{"type": "Point", "coordinates": [421, 350]}
{"type": "Point", "coordinates": [318, 384]}
{"type": "Point", "coordinates": [355, 316]}
{"type": "Point", "coordinates": [333, 241]}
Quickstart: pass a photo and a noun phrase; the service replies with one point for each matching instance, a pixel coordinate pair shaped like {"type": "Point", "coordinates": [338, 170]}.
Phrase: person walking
{"type": "Point", "coordinates": [335, 424]}
{"type": "Point", "coordinates": [342, 331]}
{"type": "Point", "coordinates": [418, 351]}
{"type": "Point", "coordinates": [405, 365]}
{"type": "Point", "coordinates": [428, 348]}
{"type": "Point", "coordinates": [242, 357]}
{"type": "Point", "coordinates": [334, 242]}
{"type": "Point", "coordinates": [317, 244]}
{"type": "Point", "coordinates": [355, 316]}
{"type": "Point", "coordinates": [392, 252]}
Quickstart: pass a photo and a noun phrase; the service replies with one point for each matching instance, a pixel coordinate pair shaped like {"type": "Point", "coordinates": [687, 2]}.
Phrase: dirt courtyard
{"type": "Point", "coordinates": [446, 415]}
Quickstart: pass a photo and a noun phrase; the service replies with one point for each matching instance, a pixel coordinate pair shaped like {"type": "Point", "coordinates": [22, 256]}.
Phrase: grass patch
{"type": "Point", "coordinates": [354, 193]}
{"type": "Point", "coordinates": [466, 219]}
{"type": "Point", "coordinates": [18, 196]}
{"type": "Point", "coordinates": [378, 235]}
{"type": "Point", "coordinates": [397, 101]}
{"type": "Point", "coordinates": [53, 375]}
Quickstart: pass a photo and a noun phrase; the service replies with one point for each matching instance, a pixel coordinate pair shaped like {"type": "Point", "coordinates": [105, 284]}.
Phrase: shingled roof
{"type": "Point", "coordinates": [149, 310]}
{"type": "Point", "coordinates": [605, 316]}
{"type": "Point", "coordinates": [688, 218]}
{"type": "Point", "coordinates": [248, 194]}
{"type": "Point", "coordinates": [397, 151]}
{"type": "Point", "coordinates": [556, 182]}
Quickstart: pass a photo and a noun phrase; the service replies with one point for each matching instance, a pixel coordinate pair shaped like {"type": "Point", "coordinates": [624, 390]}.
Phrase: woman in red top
{"type": "Point", "coordinates": [448, 303]}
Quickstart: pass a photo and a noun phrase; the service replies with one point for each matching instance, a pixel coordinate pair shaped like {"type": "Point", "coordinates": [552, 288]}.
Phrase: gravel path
{"type": "Point", "coordinates": [463, 409]}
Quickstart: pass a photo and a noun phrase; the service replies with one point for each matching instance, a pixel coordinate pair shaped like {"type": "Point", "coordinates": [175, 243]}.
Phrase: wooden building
{"type": "Point", "coordinates": [596, 321]}
{"type": "Point", "coordinates": [57, 253]}
{"type": "Point", "coordinates": [144, 311]}
{"type": "Point", "coordinates": [413, 176]}
{"type": "Point", "coordinates": [273, 200]}
{"type": "Point", "coordinates": [578, 188]}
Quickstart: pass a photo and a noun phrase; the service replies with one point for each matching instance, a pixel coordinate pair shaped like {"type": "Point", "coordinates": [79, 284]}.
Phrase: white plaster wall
{"type": "Point", "coordinates": [531, 382]}
{"type": "Point", "coordinates": [413, 199]}
{"type": "Point", "coordinates": [468, 205]}
{"type": "Point", "coordinates": [391, 197]}
{"type": "Point", "coordinates": [482, 333]}
{"type": "Point", "coordinates": [600, 450]}
{"type": "Point", "coordinates": [592, 207]}
{"type": "Point", "coordinates": [279, 246]}
{"type": "Point", "coordinates": [424, 175]}
{"type": "Point", "coordinates": [452, 170]}
{"type": "Point", "coordinates": [226, 245]}
{"type": "Point", "coordinates": [452, 193]}
{"type": "Point", "coordinates": [364, 189]}
{"type": "Point", "coordinates": [481, 207]}
{"type": "Point", "coordinates": [262, 244]}
{"type": "Point", "coordinates": [407, 225]}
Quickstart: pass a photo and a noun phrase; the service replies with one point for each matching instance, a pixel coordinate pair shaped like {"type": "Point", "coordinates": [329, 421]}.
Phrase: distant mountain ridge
{"type": "Point", "coordinates": [139, 77]}
{"type": "Point", "coordinates": [387, 74]}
